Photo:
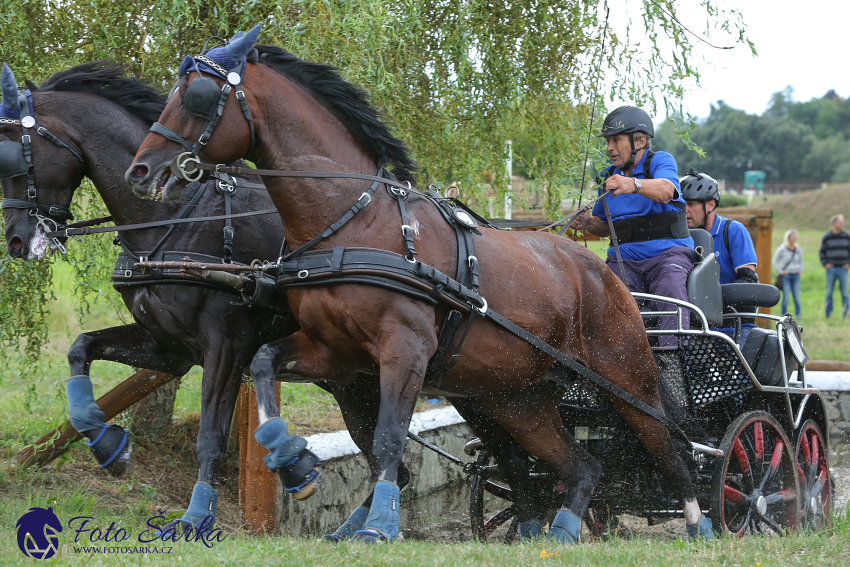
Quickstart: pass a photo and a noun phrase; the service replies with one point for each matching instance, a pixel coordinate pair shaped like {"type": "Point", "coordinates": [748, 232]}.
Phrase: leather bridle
{"type": "Point", "coordinates": [49, 217]}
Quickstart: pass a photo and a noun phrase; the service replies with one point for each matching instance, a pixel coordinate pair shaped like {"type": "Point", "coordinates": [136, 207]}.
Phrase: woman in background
{"type": "Point", "coordinates": [788, 263]}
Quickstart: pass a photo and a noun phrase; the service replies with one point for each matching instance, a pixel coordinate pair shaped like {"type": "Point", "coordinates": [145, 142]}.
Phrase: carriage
{"type": "Point", "coordinates": [759, 451]}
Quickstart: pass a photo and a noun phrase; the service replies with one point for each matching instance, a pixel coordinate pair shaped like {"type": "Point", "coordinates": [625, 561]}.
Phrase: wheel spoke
{"type": "Point", "coordinates": [804, 447]}
{"type": "Point", "coordinates": [758, 433]}
{"type": "Point", "coordinates": [733, 495]}
{"type": "Point", "coordinates": [499, 519]}
{"type": "Point", "coordinates": [816, 489]}
{"type": "Point", "coordinates": [786, 495]}
{"type": "Point", "coordinates": [773, 525]}
{"type": "Point", "coordinates": [815, 451]}
{"type": "Point", "coordinates": [775, 461]}
{"type": "Point", "coordinates": [741, 455]}
{"type": "Point", "coordinates": [745, 525]}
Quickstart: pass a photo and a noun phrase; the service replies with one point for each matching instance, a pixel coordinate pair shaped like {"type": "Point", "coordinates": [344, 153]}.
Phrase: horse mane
{"type": "Point", "coordinates": [349, 103]}
{"type": "Point", "coordinates": [107, 79]}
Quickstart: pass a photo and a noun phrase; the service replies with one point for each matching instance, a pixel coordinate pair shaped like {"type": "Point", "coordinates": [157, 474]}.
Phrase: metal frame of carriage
{"type": "Point", "coordinates": [768, 443]}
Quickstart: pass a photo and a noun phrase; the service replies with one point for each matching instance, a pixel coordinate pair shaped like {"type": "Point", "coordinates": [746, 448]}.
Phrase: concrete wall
{"type": "Point", "coordinates": [345, 474]}
{"type": "Point", "coordinates": [835, 387]}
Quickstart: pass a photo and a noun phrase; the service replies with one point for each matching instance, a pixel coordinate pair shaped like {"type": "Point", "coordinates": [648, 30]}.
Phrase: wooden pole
{"type": "Point", "coordinates": [257, 484]}
{"type": "Point", "coordinates": [128, 392]}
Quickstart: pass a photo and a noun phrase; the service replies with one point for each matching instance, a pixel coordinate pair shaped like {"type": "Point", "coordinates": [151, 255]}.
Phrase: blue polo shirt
{"type": "Point", "coordinates": [662, 166]}
{"type": "Point", "coordinates": [741, 250]}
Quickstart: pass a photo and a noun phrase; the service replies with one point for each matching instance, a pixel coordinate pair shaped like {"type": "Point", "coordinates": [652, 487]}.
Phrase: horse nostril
{"type": "Point", "coordinates": [16, 247]}
{"type": "Point", "coordinates": [140, 171]}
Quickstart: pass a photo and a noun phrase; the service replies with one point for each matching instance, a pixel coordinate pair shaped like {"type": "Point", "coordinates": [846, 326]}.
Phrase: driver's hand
{"type": "Point", "coordinates": [577, 224]}
{"type": "Point", "coordinates": [619, 185]}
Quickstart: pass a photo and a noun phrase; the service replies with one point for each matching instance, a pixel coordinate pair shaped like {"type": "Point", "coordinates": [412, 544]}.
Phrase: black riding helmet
{"type": "Point", "coordinates": [700, 187]}
{"type": "Point", "coordinates": [627, 120]}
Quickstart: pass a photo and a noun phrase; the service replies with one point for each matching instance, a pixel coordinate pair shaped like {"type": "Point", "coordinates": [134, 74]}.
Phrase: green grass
{"type": "Point", "coordinates": [825, 549]}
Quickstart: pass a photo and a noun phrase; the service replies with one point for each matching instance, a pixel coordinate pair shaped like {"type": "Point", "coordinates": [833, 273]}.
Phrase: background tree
{"type": "Point", "coordinates": [456, 78]}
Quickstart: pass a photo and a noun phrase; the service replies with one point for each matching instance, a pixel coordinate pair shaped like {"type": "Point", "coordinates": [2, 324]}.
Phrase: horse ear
{"type": "Point", "coordinates": [239, 47]}
{"type": "Point", "coordinates": [10, 89]}
{"type": "Point", "coordinates": [30, 85]}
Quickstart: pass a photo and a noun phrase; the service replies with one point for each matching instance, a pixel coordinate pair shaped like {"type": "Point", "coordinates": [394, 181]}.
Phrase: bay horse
{"type": "Point", "coordinates": [282, 113]}
{"type": "Point", "coordinates": [100, 116]}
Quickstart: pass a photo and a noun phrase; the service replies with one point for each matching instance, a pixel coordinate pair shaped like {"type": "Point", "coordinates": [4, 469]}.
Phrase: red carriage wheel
{"type": "Point", "coordinates": [754, 488]}
{"type": "Point", "coordinates": [816, 488]}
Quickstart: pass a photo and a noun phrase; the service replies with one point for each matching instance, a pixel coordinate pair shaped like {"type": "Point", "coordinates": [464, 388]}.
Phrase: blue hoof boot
{"type": "Point", "coordinates": [352, 525]}
{"type": "Point", "coordinates": [203, 505]}
{"type": "Point", "coordinates": [297, 467]}
{"type": "Point", "coordinates": [530, 530]}
{"type": "Point", "coordinates": [112, 449]}
{"type": "Point", "coordinates": [383, 522]}
{"type": "Point", "coordinates": [701, 530]}
{"type": "Point", "coordinates": [565, 528]}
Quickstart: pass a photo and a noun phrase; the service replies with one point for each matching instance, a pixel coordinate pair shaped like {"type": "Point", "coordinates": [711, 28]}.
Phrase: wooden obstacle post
{"type": "Point", "coordinates": [128, 392]}
{"type": "Point", "coordinates": [257, 484]}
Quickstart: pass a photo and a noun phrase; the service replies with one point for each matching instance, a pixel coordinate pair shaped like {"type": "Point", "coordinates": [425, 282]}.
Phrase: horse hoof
{"type": "Point", "coordinates": [369, 537]}
{"type": "Point", "coordinates": [112, 449]}
{"type": "Point", "coordinates": [702, 530]}
{"type": "Point", "coordinates": [352, 524]}
{"type": "Point", "coordinates": [301, 476]}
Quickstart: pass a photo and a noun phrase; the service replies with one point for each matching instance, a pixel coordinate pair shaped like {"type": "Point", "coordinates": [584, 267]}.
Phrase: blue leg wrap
{"type": "Point", "coordinates": [203, 505]}
{"type": "Point", "coordinates": [354, 523]}
{"type": "Point", "coordinates": [530, 530]}
{"type": "Point", "coordinates": [701, 530]}
{"type": "Point", "coordinates": [283, 447]}
{"type": "Point", "coordinates": [82, 409]}
{"type": "Point", "coordinates": [565, 528]}
{"type": "Point", "coordinates": [383, 521]}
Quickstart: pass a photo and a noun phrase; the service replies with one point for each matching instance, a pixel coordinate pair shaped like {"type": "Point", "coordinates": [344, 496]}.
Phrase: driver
{"type": "Point", "coordinates": [648, 213]}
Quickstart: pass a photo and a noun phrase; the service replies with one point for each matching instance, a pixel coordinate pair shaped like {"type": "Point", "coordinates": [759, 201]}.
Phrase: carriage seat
{"type": "Point", "coordinates": [761, 351]}
{"type": "Point", "coordinates": [704, 280]}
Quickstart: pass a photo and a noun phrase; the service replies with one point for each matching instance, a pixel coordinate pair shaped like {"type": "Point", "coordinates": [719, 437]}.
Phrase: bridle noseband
{"type": "Point", "coordinates": [17, 160]}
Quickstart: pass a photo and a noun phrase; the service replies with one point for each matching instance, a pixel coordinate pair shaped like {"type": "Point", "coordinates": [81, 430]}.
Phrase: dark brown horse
{"type": "Point", "coordinates": [102, 116]}
{"type": "Point", "coordinates": [305, 117]}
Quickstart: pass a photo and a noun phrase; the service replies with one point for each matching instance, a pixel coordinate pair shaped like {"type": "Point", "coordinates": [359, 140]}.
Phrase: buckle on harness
{"type": "Point", "coordinates": [472, 261]}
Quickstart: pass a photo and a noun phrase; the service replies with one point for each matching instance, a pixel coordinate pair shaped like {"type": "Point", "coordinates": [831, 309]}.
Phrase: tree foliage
{"type": "Point", "coordinates": [790, 141]}
{"type": "Point", "coordinates": [456, 78]}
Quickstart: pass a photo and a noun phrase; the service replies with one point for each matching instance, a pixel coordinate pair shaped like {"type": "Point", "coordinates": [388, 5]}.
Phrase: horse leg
{"type": "Point", "coordinates": [532, 419]}
{"type": "Point", "coordinates": [296, 358]}
{"type": "Point", "coordinates": [224, 362]}
{"type": "Point", "coordinates": [359, 403]}
{"type": "Point", "coordinates": [128, 344]}
{"type": "Point", "coordinates": [403, 357]}
{"type": "Point", "coordinates": [512, 464]}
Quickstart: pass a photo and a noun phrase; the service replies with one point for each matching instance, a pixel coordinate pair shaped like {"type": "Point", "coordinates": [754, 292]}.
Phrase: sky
{"type": "Point", "coordinates": [802, 43]}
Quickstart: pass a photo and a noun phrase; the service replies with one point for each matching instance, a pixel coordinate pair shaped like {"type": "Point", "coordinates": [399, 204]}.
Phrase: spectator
{"type": "Point", "coordinates": [835, 257]}
{"type": "Point", "coordinates": [788, 263]}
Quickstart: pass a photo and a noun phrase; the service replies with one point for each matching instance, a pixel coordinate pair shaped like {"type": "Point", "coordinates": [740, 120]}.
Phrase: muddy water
{"type": "Point", "coordinates": [444, 516]}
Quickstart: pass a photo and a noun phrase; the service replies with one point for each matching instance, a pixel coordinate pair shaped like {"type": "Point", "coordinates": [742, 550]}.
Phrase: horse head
{"type": "Point", "coordinates": [203, 100]}
{"type": "Point", "coordinates": [38, 175]}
